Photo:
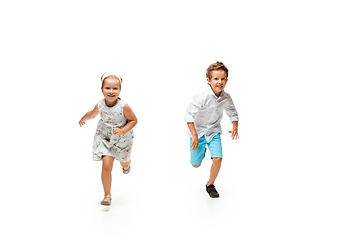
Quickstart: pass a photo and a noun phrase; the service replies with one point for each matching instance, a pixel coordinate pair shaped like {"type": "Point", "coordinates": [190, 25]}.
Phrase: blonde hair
{"type": "Point", "coordinates": [107, 75]}
{"type": "Point", "coordinates": [215, 67]}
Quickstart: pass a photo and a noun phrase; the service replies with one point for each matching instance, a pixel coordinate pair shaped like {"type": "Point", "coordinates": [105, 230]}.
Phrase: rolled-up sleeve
{"type": "Point", "coordinates": [193, 107]}
{"type": "Point", "coordinates": [230, 110]}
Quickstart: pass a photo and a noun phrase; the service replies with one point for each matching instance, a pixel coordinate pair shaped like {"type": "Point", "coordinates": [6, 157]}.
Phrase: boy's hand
{"type": "Point", "coordinates": [118, 131]}
{"type": "Point", "coordinates": [234, 131]}
{"type": "Point", "coordinates": [194, 142]}
{"type": "Point", "coordinates": [234, 134]}
{"type": "Point", "coordinates": [195, 139]}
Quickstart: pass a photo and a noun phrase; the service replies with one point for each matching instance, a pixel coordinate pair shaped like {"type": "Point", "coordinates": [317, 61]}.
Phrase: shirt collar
{"type": "Point", "coordinates": [213, 94]}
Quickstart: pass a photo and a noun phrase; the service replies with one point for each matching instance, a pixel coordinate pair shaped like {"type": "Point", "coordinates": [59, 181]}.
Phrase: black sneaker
{"type": "Point", "coordinates": [212, 191]}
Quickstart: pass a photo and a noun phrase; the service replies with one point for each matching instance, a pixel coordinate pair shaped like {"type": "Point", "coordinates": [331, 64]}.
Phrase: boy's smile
{"type": "Point", "coordinates": [218, 81]}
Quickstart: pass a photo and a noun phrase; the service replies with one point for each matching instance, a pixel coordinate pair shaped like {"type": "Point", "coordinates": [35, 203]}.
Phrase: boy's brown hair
{"type": "Point", "coordinates": [216, 67]}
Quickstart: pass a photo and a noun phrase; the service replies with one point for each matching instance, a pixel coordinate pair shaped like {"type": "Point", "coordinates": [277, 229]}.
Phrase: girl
{"type": "Point", "coordinates": [114, 134]}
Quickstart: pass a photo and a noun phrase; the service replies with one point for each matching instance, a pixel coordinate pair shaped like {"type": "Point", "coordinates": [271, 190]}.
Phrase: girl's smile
{"type": "Point", "coordinates": [111, 91]}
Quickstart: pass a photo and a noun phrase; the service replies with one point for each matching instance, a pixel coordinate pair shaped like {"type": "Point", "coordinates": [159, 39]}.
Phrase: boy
{"type": "Point", "coordinates": [203, 116]}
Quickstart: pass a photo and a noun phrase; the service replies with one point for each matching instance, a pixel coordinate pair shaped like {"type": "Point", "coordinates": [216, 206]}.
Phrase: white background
{"type": "Point", "coordinates": [294, 78]}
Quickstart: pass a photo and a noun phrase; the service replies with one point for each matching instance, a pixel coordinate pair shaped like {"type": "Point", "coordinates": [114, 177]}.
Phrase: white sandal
{"type": "Point", "coordinates": [127, 170]}
{"type": "Point", "coordinates": [106, 202]}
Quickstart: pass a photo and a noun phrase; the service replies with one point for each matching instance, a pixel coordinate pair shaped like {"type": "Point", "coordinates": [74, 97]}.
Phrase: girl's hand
{"type": "Point", "coordinates": [81, 122]}
{"type": "Point", "coordinates": [118, 131]}
{"type": "Point", "coordinates": [89, 115]}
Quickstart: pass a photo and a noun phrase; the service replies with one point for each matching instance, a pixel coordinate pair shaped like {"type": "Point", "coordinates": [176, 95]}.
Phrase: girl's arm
{"type": "Point", "coordinates": [89, 115]}
{"type": "Point", "coordinates": [132, 121]}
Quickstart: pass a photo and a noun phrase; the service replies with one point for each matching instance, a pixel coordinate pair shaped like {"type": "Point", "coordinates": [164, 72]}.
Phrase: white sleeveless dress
{"type": "Point", "coordinates": [105, 143]}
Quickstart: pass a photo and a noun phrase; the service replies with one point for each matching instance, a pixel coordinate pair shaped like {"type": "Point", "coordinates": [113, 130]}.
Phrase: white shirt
{"type": "Point", "coordinates": [206, 111]}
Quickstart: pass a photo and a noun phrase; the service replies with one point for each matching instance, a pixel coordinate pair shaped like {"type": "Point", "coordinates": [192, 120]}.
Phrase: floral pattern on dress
{"type": "Point", "coordinates": [105, 143]}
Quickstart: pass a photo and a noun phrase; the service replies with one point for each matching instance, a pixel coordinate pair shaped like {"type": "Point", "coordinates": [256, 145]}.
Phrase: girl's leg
{"type": "Point", "coordinates": [125, 165]}
{"type": "Point", "coordinates": [214, 171]}
{"type": "Point", "coordinates": [106, 174]}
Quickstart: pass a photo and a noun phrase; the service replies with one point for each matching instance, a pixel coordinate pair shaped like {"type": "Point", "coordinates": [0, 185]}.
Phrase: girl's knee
{"type": "Point", "coordinates": [196, 166]}
{"type": "Point", "coordinates": [125, 164]}
{"type": "Point", "coordinates": [107, 167]}
{"type": "Point", "coordinates": [107, 162]}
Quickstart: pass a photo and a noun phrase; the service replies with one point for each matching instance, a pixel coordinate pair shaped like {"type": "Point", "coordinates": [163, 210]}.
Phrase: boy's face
{"type": "Point", "coordinates": [218, 81]}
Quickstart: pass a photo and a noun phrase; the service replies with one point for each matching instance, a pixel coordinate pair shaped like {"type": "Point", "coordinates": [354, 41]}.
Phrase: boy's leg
{"type": "Point", "coordinates": [196, 156]}
{"type": "Point", "coordinates": [214, 170]}
{"type": "Point", "coordinates": [215, 148]}
{"type": "Point", "coordinates": [106, 174]}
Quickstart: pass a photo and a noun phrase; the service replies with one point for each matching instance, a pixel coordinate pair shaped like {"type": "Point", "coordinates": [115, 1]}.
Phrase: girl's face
{"type": "Point", "coordinates": [218, 81]}
{"type": "Point", "coordinates": [111, 90]}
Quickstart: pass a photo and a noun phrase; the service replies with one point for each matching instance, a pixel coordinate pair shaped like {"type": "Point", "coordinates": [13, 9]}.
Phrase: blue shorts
{"type": "Point", "coordinates": [214, 146]}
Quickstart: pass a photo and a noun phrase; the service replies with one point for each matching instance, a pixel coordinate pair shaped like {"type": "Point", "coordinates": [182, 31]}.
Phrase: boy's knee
{"type": "Point", "coordinates": [196, 166]}
{"type": "Point", "coordinates": [217, 160]}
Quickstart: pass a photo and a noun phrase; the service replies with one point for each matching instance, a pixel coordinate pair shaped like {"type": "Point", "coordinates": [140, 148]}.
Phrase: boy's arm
{"type": "Point", "coordinates": [192, 109]}
{"type": "Point", "coordinates": [234, 131]}
{"type": "Point", "coordinates": [132, 121]}
{"type": "Point", "coordinates": [89, 115]}
{"type": "Point", "coordinates": [230, 110]}
{"type": "Point", "coordinates": [195, 140]}
{"type": "Point", "coordinates": [233, 115]}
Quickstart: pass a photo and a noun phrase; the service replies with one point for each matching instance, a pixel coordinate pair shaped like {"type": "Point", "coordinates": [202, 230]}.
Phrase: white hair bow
{"type": "Point", "coordinates": [105, 75]}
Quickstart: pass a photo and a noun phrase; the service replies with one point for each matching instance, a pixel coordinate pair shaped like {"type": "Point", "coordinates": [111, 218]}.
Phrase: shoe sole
{"type": "Point", "coordinates": [127, 170]}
